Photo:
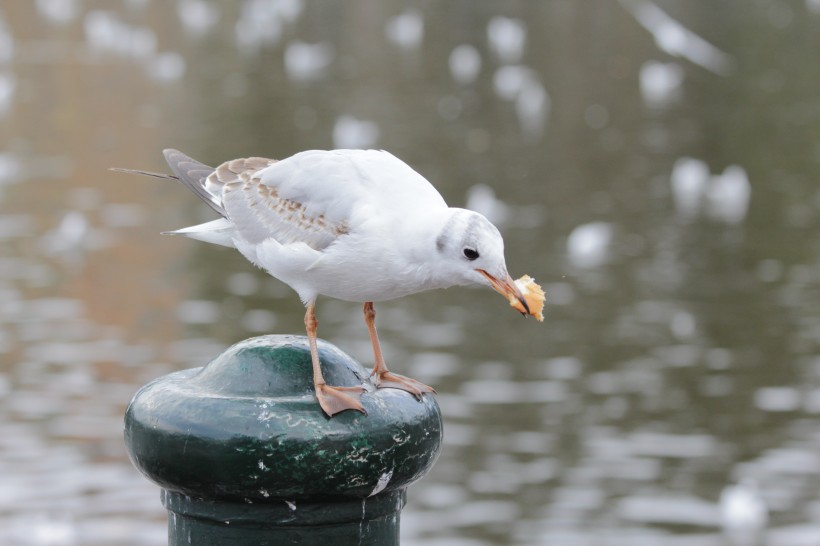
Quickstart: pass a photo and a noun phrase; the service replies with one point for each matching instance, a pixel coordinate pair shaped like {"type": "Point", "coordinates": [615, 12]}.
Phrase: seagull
{"type": "Point", "coordinates": [355, 225]}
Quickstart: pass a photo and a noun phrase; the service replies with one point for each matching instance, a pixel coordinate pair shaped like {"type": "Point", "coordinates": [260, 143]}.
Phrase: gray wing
{"type": "Point", "coordinates": [193, 174]}
{"type": "Point", "coordinates": [313, 196]}
{"type": "Point", "coordinates": [298, 202]}
{"type": "Point", "coordinates": [259, 211]}
{"type": "Point", "coordinates": [256, 210]}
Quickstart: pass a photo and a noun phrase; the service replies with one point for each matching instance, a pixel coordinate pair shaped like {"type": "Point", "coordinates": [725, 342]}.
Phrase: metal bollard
{"type": "Point", "coordinates": [244, 454]}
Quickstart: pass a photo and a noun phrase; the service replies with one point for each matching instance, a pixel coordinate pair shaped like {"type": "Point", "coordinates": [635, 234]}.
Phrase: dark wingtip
{"type": "Point", "coordinates": [142, 173]}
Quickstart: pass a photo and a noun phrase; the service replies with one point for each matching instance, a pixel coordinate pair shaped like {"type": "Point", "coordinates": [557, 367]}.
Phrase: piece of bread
{"type": "Point", "coordinates": [534, 296]}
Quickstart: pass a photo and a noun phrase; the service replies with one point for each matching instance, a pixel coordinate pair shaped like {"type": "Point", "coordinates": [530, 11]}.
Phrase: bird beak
{"type": "Point", "coordinates": [507, 288]}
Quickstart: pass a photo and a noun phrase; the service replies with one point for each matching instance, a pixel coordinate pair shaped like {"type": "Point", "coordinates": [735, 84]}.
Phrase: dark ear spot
{"type": "Point", "coordinates": [470, 253]}
{"type": "Point", "coordinates": [441, 242]}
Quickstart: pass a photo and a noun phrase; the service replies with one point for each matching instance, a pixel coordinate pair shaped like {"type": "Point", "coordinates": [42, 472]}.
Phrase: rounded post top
{"type": "Point", "coordinates": [247, 427]}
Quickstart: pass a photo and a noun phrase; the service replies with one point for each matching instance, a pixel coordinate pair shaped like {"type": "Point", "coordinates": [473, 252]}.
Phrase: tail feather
{"type": "Point", "coordinates": [143, 173]}
{"type": "Point", "coordinates": [192, 173]}
{"type": "Point", "coordinates": [217, 232]}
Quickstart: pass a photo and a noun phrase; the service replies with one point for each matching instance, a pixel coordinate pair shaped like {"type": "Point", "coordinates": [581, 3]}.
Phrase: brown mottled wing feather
{"type": "Point", "coordinates": [235, 170]}
{"type": "Point", "coordinates": [258, 211]}
{"type": "Point", "coordinates": [193, 174]}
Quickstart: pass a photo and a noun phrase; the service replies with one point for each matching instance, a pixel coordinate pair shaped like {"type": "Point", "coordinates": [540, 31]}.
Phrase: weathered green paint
{"type": "Point", "coordinates": [245, 454]}
{"type": "Point", "coordinates": [369, 521]}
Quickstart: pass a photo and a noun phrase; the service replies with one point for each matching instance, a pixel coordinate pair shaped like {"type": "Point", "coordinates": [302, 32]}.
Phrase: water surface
{"type": "Point", "coordinates": [653, 165]}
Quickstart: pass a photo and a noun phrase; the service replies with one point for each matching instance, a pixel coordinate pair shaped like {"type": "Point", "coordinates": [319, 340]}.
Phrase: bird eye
{"type": "Point", "coordinates": [471, 254]}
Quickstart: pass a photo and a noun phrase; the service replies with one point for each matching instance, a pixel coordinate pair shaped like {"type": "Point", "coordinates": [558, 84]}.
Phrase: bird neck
{"type": "Point", "coordinates": [428, 250]}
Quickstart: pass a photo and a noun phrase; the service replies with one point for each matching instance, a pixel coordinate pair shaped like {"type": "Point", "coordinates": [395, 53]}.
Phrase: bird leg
{"type": "Point", "coordinates": [332, 399]}
{"type": "Point", "coordinates": [382, 378]}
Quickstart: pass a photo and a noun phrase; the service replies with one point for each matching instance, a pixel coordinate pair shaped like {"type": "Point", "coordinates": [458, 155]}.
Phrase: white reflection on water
{"type": "Point", "coordinates": [261, 23]}
{"type": "Point", "coordinates": [507, 38]}
{"type": "Point", "coordinates": [59, 12]}
{"type": "Point", "coordinates": [777, 399]}
{"type": "Point", "coordinates": [8, 84]}
{"type": "Point", "coordinates": [532, 107]}
{"type": "Point", "coordinates": [465, 63]}
{"type": "Point", "coordinates": [677, 40]}
{"type": "Point", "coordinates": [482, 199]}
{"type": "Point", "coordinates": [197, 16]}
{"type": "Point", "coordinates": [588, 245]}
{"type": "Point", "coordinates": [743, 513]}
{"type": "Point", "coordinates": [728, 195]}
{"type": "Point", "coordinates": [198, 312]}
{"type": "Point", "coordinates": [497, 391]}
{"type": "Point", "coordinates": [7, 45]}
{"type": "Point", "coordinates": [522, 85]}
{"type": "Point", "coordinates": [259, 321]}
{"type": "Point", "coordinates": [689, 179]}
{"type": "Point", "coordinates": [723, 197]}
{"type": "Point", "coordinates": [668, 509]}
{"type": "Point", "coordinates": [510, 80]}
{"type": "Point", "coordinates": [306, 62]}
{"type": "Point", "coordinates": [70, 237]}
{"type": "Point", "coordinates": [10, 168]}
{"type": "Point", "coordinates": [661, 83]}
{"type": "Point", "coordinates": [406, 30]}
{"type": "Point", "coordinates": [166, 67]}
{"type": "Point", "coordinates": [106, 33]}
{"type": "Point", "coordinates": [350, 132]}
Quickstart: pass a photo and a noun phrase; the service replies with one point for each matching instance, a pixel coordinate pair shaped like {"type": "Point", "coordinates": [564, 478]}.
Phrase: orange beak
{"type": "Point", "coordinates": [507, 288]}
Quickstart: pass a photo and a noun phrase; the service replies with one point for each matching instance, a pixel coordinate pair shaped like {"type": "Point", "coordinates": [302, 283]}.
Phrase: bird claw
{"type": "Point", "coordinates": [334, 400]}
{"type": "Point", "coordinates": [389, 380]}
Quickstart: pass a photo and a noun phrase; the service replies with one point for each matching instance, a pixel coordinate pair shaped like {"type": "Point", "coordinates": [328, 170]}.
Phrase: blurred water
{"type": "Point", "coordinates": [653, 165]}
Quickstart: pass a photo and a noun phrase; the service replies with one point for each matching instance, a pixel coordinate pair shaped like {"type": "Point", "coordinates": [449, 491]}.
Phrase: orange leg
{"type": "Point", "coordinates": [383, 378]}
{"type": "Point", "coordinates": [332, 399]}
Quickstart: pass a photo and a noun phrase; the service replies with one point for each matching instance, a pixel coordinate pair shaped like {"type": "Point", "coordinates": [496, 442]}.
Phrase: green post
{"type": "Point", "coordinates": [244, 454]}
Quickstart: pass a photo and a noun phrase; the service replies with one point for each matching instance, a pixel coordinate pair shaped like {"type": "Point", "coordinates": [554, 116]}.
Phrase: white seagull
{"type": "Point", "coordinates": [356, 225]}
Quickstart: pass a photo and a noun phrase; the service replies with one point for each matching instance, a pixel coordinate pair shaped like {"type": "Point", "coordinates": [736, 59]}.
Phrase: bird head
{"type": "Point", "coordinates": [473, 249]}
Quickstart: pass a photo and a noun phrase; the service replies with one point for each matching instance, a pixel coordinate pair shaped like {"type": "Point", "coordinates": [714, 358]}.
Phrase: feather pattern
{"type": "Point", "coordinates": [297, 200]}
{"type": "Point", "coordinates": [259, 212]}
{"type": "Point", "coordinates": [191, 173]}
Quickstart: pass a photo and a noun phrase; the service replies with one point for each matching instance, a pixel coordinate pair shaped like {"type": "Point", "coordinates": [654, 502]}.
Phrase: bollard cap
{"type": "Point", "coordinates": [247, 427]}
